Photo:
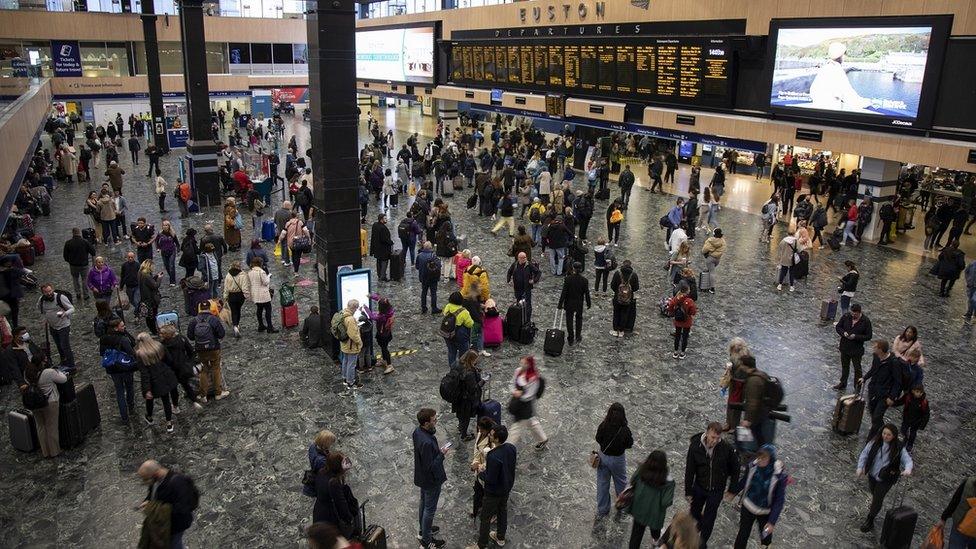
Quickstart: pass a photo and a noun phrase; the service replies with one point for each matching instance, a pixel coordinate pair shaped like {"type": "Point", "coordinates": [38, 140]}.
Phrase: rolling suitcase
{"type": "Point", "coordinates": [555, 336]}
{"type": "Point", "coordinates": [899, 527]}
{"type": "Point", "coordinates": [458, 182]}
{"type": "Point", "coordinates": [268, 232]}
{"type": "Point", "coordinates": [38, 242]}
{"type": "Point", "coordinates": [91, 418]}
{"type": "Point", "coordinates": [828, 310]}
{"type": "Point", "coordinates": [171, 317]}
{"type": "Point", "coordinates": [527, 333]}
{"type": "Point", "coordinates": [70, 427]}
{"type": "Point", "coordinates": [705, 281]}
{"type": "Point", "coordinates": [374, 536]}
{"type": "Point", "coordinates": [848, 412]}
{"type": "Point", "coordinates": [396, 266]}
{"type": "Point", "coordinates": [447, 188]}
{"type": "Point", "coordinates": [490, 407]}
{"type": "Point", "coordinates": [514, 319]}
{"type": "Point", "coordinates": [23, 430]}
{"type": "Point", "coordinates": [492, 330]}
{"type": "Point", "coordinates": [66, 390]}
{"type": "Point", "coordinates": [289, 315]}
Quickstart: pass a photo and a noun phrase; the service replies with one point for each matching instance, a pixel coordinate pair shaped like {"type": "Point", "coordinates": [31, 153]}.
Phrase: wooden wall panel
{"type": "Point", "coordinates": [17, 132]}
{"type": "Point", "coordinates": [612, 112]}
{"type": "Point", "coordinates": [172, 83]}
{"type": "Point", "coordinates": [532, 102]}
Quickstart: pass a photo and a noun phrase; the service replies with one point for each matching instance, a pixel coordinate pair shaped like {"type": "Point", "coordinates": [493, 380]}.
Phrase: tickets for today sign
{"type": "Point", "coordinates": [66, 57]}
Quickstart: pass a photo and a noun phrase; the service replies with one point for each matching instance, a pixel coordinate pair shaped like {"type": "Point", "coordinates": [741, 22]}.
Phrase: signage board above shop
{"type": "Point", "coordinates": [66, 57]}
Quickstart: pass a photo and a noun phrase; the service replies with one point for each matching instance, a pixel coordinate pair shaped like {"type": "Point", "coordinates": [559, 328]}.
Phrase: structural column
{"type": "Point", "coordinates": [448, 112]}
{"type": "Point", "coordinates": [201, 149]}
{"type": "Point", "coordinates": [879, 182]}
{"type": "Point", "coordinates": [332, 98]}
{"type": "Point", "coordinates": [158, 126]}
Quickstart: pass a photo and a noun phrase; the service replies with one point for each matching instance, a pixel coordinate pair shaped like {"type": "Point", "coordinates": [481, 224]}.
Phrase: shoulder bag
{"type": "Point", "coordinates": [594, 458]}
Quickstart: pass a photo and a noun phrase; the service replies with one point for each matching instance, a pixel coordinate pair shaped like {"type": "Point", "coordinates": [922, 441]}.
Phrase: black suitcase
{"type": "Point", "coordinates": [91, 418]}
{"type": "Point", "coordinates": [527, 333]}
{"type": "Point", "coordinates": [23, 430]}
{"type": "Point", "coordinates": [555, 337]}
{"type": "Point", "coordinates": [89, 235]}
{"type": "Point", "coordinates": [899, 527]}
{"type": "Point", "coordinates": [66, 390]}
{"type": "Point", "coordinates": [374, 536]}
{"type": "Point", "coordinates": [70, 428]}
{"type": "Point", "coordinates": [514, 319]}
{"type": "Point", "coordinates": [396, 266]}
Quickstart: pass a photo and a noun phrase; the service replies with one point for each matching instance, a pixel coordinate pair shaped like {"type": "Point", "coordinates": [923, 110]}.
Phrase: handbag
{"type": "Point", "coordinates": [967, 526]}
{"type": "Point", "coordinates": [301, 244]}
{"type": "Point", "coordinates": [123, 300]}
{"type": "Point", "coordinates": [625, 498]}
{"type": "Point", "coordinates": [308, 478]}
{"type": "Point", "coordinates": [594, 458]}
{"type": "Point", "coordinates": [935, 539]}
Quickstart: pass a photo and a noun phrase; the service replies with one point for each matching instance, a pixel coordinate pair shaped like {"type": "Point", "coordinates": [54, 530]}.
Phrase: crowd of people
{"type": "Point", "coordinates": [517, 179]}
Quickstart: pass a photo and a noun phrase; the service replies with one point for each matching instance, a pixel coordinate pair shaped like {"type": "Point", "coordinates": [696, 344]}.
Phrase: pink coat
{"type": "Point", "coordinates": [460, 264]}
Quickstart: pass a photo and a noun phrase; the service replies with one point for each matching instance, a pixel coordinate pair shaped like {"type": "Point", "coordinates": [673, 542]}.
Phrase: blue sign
{"type": "Point", "coordinates": [67, 57]}
{"type": "Point", "coordinates": [177, 137]}
{"type": "Point", "coordinates": [19, 66]}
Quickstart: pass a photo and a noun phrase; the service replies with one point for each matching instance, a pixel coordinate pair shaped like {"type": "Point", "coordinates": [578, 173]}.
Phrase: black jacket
{"type": "Point", "coordinates": [626, 180]}
{"type": "Point", "coordinates": [885, 376]}
{"type": "Point", "coordinates": [77, 251]}
{"type": "Point", "coordinates": [557, 235]}
{"type": "Point", "coordinates": [576, 291]}
{"type": "Point", "coordinates": [614, 439]}
{"type": "Point", "coordinates": [718, 472]}
{"type": "Point", "coordinates": [129, 274]}
{"type": "Point", "coordinates": [158, 378]}
{"type": "Point", "coordinates": [861, 331]}
{"type": "Point", "coordinates": [311, 333]}
{"type": "Point", "coordinates": [178, 491]}
{"type": "Point", "coordinates": [149, 289]}
{"type": "Point", "coordinates": [332, 500]}
{"type": "Point", "coordinates": [120, 341]}
{"type": "Point", "coordinates": [499, 473]}
{"type": "Point", "coordinates": [180, 355]}
{"type": "Point", "coordinates": [625, 274]}
{"type": "Point", "coordinates": [523, 276]}
{"type": "Point", "coordinates": [380, 242]}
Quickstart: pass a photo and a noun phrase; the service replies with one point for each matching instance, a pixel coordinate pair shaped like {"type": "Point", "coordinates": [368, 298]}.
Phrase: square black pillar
{"type": "Point", "coordinates": [334, 128]}
{"type": "Point", "coordinates": [201, 149]}
{"type": "Point", "coordinates": [157, 129]}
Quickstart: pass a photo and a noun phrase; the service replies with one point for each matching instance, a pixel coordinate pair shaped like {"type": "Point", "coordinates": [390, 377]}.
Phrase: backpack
{"type": "Point", "coordinates": [203, 336]}
{"type": "Point", "coordinates": [535, 216]}
{"type": "Point", "coordinates": [61, 293]}
{"type": "Point", "coordinates": [34, 398]}
{"type": "Point", "coordinates": [625, 293]}
{"type": "Point", "coordinates": [433, 269]}
{"type": "Point", "coordinates": [338, 327]}
{"type": "Point", "coordinates": [679, 311]}
{"type": "Point", "coordinates": [506, 210]}
{"type": "Point", "coordinates": [450, 388]}
{"type": "Point", "coordinates": [403, 229]}
{"type": "Point", "coordinates": [448, 327]}
{"type": "Point", "coordinates": [772, 394]}
{"type": "Point", "coordinates": [541, 389]}
{"type": "Point", "coordinates": [114, 358]}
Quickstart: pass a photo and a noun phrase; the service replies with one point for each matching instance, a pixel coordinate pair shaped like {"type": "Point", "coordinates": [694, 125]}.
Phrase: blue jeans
{"type": "Point", "coordinates": [849, 232]}
{"type": "Point", "coordinates": [960, 541]}
{"type": "Point", "coordinates": [428, 506]}
{"type": "Point", "coordinates": [432, 288]}
{"type": "Point", "coordinates": [176, 540]}
{"type": "Point", "coordinates": [349, 367]}
{"type": "Point", "coordinates": [610, 466]}
{"type": "Point", "coordinates": [458, 345]}
{"type": "Point", "coordinates": [62, 340]}
{"type": "Point", "coordinates": [845, 304]}
{"type": "Point", "coordinates": [971, 309]}
{"type": "Point", "coordinates": [536, 233]}
{"type": "Point", "coordinates": [124, 393]}
{"type": "Point", "coordinates": [556, 260]}
{"type": "Point", "coordinates": [169, 263]}
{"type": "Point", "coordinates": [408, 247]}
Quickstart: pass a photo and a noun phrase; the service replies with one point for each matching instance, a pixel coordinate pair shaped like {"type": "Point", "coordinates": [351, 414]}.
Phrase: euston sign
{"type": "Point", "coordinates": [550, 13]}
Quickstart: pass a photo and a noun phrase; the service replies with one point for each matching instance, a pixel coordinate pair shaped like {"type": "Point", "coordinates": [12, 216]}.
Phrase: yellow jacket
{"type": "Point", "coordinates": [363, 242]}
{"type": "Point", "coordinates": [354, 344]}
{"type": "Point", "coordinates": [475, 274]}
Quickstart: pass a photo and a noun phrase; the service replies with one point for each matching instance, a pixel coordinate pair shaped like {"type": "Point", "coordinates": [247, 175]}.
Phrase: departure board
{"type": "Point", "coordinates": [557, 66]}
{"type": "Point", "coordinates": [679, 70]}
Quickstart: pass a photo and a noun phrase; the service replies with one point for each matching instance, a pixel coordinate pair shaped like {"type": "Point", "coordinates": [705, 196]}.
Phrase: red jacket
{"type": "Point", "coordinates": [690, 310]}
{"type": "Point", "coordinates": [852, 213]}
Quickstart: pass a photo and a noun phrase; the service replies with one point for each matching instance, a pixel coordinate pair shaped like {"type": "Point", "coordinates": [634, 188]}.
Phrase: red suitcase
{"type": "Point", "coordinates": [289, 315]}
{"type": "Point", "coordinates": [38, 242]}
{"type": "Point", "coordinates": [26, 254]}
{"type": "Point", "coordinates": [492, 331]}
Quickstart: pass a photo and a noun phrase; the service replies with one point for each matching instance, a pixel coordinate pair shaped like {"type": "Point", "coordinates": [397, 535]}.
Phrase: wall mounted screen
{"type": "Point", "coordinates": [396, 55]}
{"type": "Point", "coordinates": [881, 73]}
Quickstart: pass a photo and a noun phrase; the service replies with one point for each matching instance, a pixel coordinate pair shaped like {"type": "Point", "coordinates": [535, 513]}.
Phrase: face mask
{"type": "Point", "coordinates": [25, 337]}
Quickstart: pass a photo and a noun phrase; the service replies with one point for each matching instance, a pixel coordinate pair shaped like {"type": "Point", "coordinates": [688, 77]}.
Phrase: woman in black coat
{"type": "Point", "coordinates": [445, 241]}
{"type": "Point", "coordinates": [951, 263]}
{"type": "Point", "coordinates": [334, 502]}
{"type": "Point", "coordinates": [149, 292]}
{"type": "Point", "coordinates": [156, 377]}
{"type": "Point", "coordinates": [180, 356]}
{"type": "Point", "coordinates": [190, 252]}
{"type": "Point", "coordinates": [624, 314]}
{"type": "Point", "coordinates": [466, 406]}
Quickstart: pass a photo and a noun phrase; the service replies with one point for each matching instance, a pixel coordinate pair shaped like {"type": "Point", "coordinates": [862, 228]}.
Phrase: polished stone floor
{"type": "Point", "coordinates": [247, 453]}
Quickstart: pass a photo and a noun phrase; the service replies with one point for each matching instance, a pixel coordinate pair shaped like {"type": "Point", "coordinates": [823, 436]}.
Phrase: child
{"type": "Point", "coordinates": [602, 263]}
{"type": "Point", "coordinates": [915, 414]}
{"type": "Point", "coordinates": [462, 260]}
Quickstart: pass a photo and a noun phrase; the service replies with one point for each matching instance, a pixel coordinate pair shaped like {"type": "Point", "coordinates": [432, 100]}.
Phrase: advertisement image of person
{"type": "Point", "coordinates": [831, 89]}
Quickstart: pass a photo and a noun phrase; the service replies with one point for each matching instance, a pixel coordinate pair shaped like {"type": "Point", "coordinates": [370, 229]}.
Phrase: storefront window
{"type": "Point", "coordinates": [170, 58]}
{"type": "Point", "coordinates": [216, 58]}
{"type": "Point", "coordinates": [39, 58]}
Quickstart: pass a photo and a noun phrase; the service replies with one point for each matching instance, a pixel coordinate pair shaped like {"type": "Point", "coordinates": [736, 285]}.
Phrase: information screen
{"type": "Point", "coordinates": [680, 70]}
{"type": "Point", "coordinates": [398, 55]}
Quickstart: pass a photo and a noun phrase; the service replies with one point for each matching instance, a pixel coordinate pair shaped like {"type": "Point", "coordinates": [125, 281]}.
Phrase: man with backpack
{"type": "Point", "coordinates": [56, 309]}
{"type": "Point", "coordinates": [408, 230]}
{"type": "Point", "coordinates": [429, 274]}
{"type": "Point", "coordinates": [711, 470]}
{"type": "Point", "coordinates": [206, 331]}
{"type": "Point", "coordinates": [345, 330]}
{"type": "Point", "coordinates": [167, 487]}
{"type": "Point", "coordinates": [455, 327]}
{"type": "Point", "coordinates": [761, 395]}
{"type": "Point", "coordinates": [887, 215]}
{"type": "Point", "coordinates": [523, 275]}
{"type": "Point", "coordinates": [626, 181]}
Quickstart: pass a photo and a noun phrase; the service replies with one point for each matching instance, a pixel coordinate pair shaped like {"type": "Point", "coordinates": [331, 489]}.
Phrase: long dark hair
{"type": "Point", "coordinates": [905, 332]}
{"type": "Point", "coordinates": [893, 469]}
{"type": "Point", "coordinates": [654, 470]}
{"type": "Point", "coordinates": [616, 416]}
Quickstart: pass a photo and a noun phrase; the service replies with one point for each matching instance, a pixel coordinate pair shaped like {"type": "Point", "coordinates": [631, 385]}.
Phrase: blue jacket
{"type": "Point", "coordinates": [674, 216]}
{"type": "Point", "coordinates": [423, 258]}
{"type": "Point", "coordinates": [499, 473]}
{"type": "Point", "coordinates": [428, 461]}
{"type": "Point", "coordinates": [777, 492]}
{"type": "Point", "coordinates": [316, 460]}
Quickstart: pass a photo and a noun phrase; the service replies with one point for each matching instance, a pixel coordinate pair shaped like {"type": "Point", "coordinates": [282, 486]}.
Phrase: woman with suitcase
{"type": "Point", "coordinates": [877, 461]}
{"type": "Point", "coordinates": [41, 373]}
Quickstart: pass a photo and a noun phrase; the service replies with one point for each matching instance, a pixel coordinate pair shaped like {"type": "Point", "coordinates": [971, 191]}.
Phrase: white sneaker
{"type": "Point", "coordinates": [494, 537]}
{"type": "Point", "coordinates": [485, 353]}
{"type": "Point", "coordinates": [779, 287]}
{"type": "Point", "coordinates": [176, 410]}
{"type": "Point", "coordinates": [792, 288]}
{"type": "Point", "coordinates": [223, 395]}
{"type": "Point", "coordinates": [614, 333]}
{"type": "Point", "coordinates": [198, 406]}
{"type": "Point", "coordinates": [675, 355]}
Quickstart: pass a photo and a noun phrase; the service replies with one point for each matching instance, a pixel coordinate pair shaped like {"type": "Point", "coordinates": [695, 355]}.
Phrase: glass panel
{"type": "Point", "coordinates": [216, 58]}
{"type": "Point", "coordinates": [170, 58]}
{"type": "Point", "coordinates": [250, 8]}
{"type": "Point", "coordinates": [260, 53]}
{"type": "Point", "coordinates": [9, 51]}
{"type": "Point", "coordinates": [117, 55]}
{"type": "Point", "coordinates": [230, 8]}
{"type": "Point", "coordinates": [39, 58]}
{"type": "Point", "coordinates": [281, 53]}
{"type": "Point", "coordinates": [271, 9]}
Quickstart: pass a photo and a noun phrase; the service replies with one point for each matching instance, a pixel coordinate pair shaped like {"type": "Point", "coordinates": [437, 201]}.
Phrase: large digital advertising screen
{"type": "Point", "coordinates": [396, 55]}
{"type": "Point", "coordinates": [883, 73]}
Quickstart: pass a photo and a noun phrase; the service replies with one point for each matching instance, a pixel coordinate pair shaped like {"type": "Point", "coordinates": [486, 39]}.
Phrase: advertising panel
{"type": "Point", "coordinates": [396, 55]}
{"type": "Point", "coordinates": [66, 57]}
